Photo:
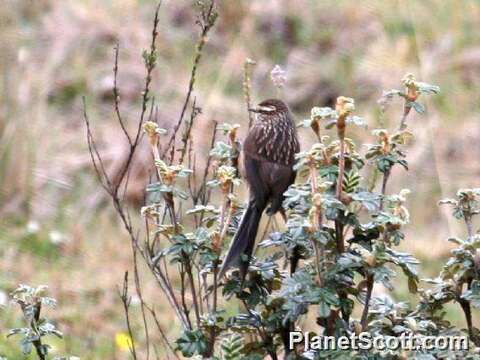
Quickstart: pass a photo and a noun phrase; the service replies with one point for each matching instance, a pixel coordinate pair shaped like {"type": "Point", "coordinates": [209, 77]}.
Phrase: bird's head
{"type": "Point", "coordinates": [270, 107]}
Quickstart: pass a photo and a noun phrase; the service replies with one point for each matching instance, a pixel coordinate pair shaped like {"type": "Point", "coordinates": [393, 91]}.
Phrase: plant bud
{"type": "Point", "coordinates": [368, 257]}
{"type": "Point", "coordinates": [216, 241]}
{"type": "Point", "coordinates": [344, 105]}
{"type": "Point", "coordinates": [153, 132]}
{"type": "Point", "coordinates": [345, 198]}
{"type": "Point", "coordinates": [412, 324]}
{"type": "Point", "coordinates": [409, 82]}
{"type": "Point", "coordinates": [317, 200]}
{"type": "Point", "coordinates": [371, 260]}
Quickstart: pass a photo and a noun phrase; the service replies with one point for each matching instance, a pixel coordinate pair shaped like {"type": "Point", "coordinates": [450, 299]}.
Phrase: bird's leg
{"type": "Point", "coordinates": [284, 215]}
{"type": "Point", "coordinates": [267, 226]}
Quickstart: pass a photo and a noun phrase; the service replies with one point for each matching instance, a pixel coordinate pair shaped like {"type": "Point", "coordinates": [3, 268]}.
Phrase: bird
{"type": "Point", "coordinates": [268, 155]}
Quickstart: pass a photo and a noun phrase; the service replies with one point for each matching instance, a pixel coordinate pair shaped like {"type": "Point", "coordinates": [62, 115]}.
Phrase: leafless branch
{"type": "Point", "coordinates": [206, 21]}
{"type": "Point", "coordinates": [138, 290]}
{"type": "Point", "coordinates": [201, 194]}
{"type": "Point", "coordinates": [162, 332]}
{"type": "Point", "coordinates": [186, 135]}
{"type": "Point", "coordinates": [150, 249]}
{"type": "Point", "coordinates": [126, 300]}
{"type": "Point", "coordinates": [116, 96]}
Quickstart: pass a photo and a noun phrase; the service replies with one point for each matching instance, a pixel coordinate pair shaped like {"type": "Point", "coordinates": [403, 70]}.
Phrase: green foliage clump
{"type": "Point", "coordinates": [31, 300]}
{"type": "Point", "coordinates": [343, 227]}
{"type": "Point", "coordinates": [340, 241]}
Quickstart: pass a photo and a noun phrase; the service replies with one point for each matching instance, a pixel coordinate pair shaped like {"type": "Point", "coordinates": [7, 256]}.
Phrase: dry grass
{"type": "Point", "coordinates": [52, 52]}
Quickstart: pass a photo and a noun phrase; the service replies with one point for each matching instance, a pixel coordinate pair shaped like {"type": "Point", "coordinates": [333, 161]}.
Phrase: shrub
{"type": "Point", "coordinates": [31, 300]}
{"type": "Point", "coordinates": [341, 235]}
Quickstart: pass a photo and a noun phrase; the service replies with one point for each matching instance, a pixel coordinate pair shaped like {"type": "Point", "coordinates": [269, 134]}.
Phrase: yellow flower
{"type": "Point", "coordinates": [123, 341]}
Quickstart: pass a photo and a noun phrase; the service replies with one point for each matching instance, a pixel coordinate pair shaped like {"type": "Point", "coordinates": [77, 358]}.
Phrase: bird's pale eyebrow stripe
{"type": "Point", "coordinates": [267, 108]}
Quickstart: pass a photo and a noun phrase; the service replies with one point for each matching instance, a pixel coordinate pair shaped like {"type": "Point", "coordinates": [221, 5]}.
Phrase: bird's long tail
{"type": "Point", "coordinates": [244, 240]}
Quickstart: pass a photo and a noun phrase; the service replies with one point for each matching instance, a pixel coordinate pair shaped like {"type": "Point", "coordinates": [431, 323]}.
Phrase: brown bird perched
{"type": "Point", "coordinates": [269, 155]}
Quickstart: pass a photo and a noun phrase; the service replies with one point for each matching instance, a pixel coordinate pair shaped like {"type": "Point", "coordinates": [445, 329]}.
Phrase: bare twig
{"type": "Point", "coordinates": [247, 86]}
{"type": "Point", "coordinates": [94, 155]}
{"type": "Point", "coordinates": [206, 22]}
{"type": "Point", "coordinates": [162, 332]}
{"type": "Point", "coordinates": [150, 63]}
{"type": "Point", "coordinates": [338, 193]}
{"type": "Point", "coordinates": [168, 291]}
{"type": "Point", "coordinates": [201, 194]}
{"type": "Point", "coordinates": [116, 96]}
{"type": "Point", "coordinates": [113, 188]}
{"type": "Point", "coordinates": [138, 290]}
{"type": "Point", "coordinates": [196, 308]}
{"type": "Point", "coordinates": [183, 294]}
{"type": "Point", "coordinates": [186, 135]}
{"type": "Point", "coordinates": [126, 300]}
{"type": "Point", "coordinates": [116, 187]}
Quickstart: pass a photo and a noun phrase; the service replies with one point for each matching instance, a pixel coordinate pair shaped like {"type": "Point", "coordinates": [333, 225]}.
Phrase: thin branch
{"type": "Point", "coordinates": [264, 335]}
{"type": "Point", "coordinates": [338, 223]}
{"type": "Point", "coordinates": [126, 299]}
{"type": "Point", "coordinates": [182, 296]}
{"type": "Point", "coordinates": [318, 223]}
{"type": "Point", "coordinates": [94, 155]}
{"type": "Point", "coordinates": [247, 86]}
{"type": "Point", "coordinates": [116, 96]}
{"type": "Point", "coordinates": [150, 63]}
{"type": "Point", "coordinates": [403, 121]}
{"type": "Point", "coordinates": [465, 304]}
{"type": "Point", "coordinates": [201, 194]}
{"type": "Point", "coordinates": [207, 21]}
{"type": "Point", "coordinates": [37, 308]}
{"type": "Point", "coordinates": [186, 136]}
{"type": "Point", "coordinates": [188, 268]}
{"type": "Point", "coordinates": [138, 290]}
{"type": "Point", "coordinates": [167, 289]}
{"type": "Point", "coordinates": [162, 332]}
{"type": "Point", "coordinates": [370, 279]}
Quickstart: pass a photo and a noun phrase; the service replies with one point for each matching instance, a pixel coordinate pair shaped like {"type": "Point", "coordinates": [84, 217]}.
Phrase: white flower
{"type": "Point", "coordinates": [56, 237]}
{"type": "Point", "coordinates": [3, 298]}
{"type": "Point", "coordinates": [135, 300]}
{"type": "Point", "coordinates": [33, 227]}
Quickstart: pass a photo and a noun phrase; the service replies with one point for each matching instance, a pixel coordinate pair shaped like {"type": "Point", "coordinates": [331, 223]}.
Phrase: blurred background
{"type": "Point", "coordinates": [56, 225]}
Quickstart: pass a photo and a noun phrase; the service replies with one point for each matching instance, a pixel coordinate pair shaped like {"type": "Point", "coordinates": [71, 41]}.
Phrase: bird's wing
{"type": "Point", "coordinates": [272, 144]}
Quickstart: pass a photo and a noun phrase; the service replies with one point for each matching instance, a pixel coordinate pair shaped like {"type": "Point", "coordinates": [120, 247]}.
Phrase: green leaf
{"type": "Point", "coordinates": [427, 89]}
{"type": "Point", "coordinates": [192, 342]}
{"type": "Point", "coordinates": [323, 310]}
{"type": "Point", "coordinates": [232, 346]}
{"type": "Point", "coordinates": [351, 181]}
{"type": "Point", "coordinates": [26, 346]}
{"type": "Point", "coordinates": [473, 295]}
{"type": "Point", "coordinates": [322, 113]}
{"type": "Point", "coordinates": [419, 108]}
{"type": "Point", "coordinates": [369, 200]}
{"type": "Point", "coordinates": [357, 121]}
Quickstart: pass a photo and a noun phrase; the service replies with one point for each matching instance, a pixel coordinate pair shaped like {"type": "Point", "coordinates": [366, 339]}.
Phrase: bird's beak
{"type": "Point", "coordinates": [254, 110]}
